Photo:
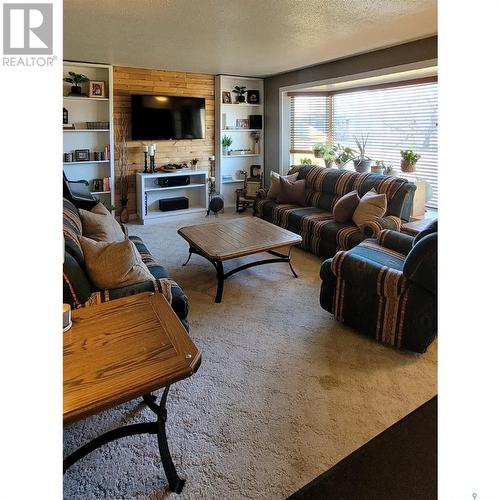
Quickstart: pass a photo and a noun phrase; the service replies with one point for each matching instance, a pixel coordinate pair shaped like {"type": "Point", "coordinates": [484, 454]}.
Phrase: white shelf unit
{"type": "Point", "coordinates": [90, 109]}
{"type": "Point", "coordinates": [149, 193]}
{"type": "Point", "coordinates": [226, 116]}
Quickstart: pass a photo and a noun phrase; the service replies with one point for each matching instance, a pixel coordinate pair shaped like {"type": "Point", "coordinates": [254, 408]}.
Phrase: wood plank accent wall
{"type": "Point", "coordinates": [127, 81]}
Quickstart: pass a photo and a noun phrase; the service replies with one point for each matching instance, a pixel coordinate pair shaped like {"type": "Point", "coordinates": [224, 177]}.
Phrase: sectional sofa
{"type": "Point", "coordinates": [324, 186]}
{"type": "Point", "coordinates": [78, 290]}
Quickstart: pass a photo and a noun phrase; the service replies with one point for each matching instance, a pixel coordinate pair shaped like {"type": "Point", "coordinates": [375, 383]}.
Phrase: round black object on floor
{"type": "Point", "coordinates": [216, 204]}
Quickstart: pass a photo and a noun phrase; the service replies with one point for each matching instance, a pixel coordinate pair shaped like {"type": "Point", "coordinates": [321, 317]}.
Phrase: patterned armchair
{"type": "Point", "coordinates": [386, 288]}
{"type": "Point", "coordinates": [78, 290]}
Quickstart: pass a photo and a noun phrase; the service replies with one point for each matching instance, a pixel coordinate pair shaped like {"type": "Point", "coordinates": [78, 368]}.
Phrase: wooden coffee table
{"type": "Point", "coordinates": [121, 350]}
{"type": "Point", "coordinates": [221, 241]}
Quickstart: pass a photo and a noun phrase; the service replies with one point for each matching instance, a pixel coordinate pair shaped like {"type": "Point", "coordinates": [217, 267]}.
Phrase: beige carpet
{"type": "Point", "coordinates": [282, 394]}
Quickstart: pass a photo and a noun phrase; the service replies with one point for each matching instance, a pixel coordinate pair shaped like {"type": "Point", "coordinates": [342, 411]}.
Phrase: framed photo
{"type": "Point", "coordinates": [82, 155]}
{"type": "Point", "coordinates": [96, 185]}
{"type": "Point", "coordinates": [253, 97]}
{"type": "Point", "coordinates": [242, 123]}
{"type": "Point", "coordinates": [226, 97]}
{"type": "Point", "coordinates": [96, 89]}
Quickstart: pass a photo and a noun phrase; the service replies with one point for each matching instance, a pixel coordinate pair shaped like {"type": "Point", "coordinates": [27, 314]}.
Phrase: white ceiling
{"type": "Point", "coordinates": [243, 37]}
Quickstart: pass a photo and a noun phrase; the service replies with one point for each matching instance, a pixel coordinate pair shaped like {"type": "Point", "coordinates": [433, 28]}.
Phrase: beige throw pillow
{"type": "Point", "coordinates": [344, 209]}
{"type": "Point", "coordinates": [113, 265]}
{"type": "Point", "coordinates": [100, 225]}
{"type": "Point", "coordinates": [274, 189]}
{"type": "Point", "coordinates": [371, 206]}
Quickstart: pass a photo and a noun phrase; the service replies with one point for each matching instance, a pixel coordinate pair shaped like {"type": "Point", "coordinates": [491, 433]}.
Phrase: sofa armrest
{"type": "Point", "coordinates": [373, 228]}
{"type": "Point", "coordinates": [421, 264]}
{"type": "Point", "coordinates": [393, 240]}
{"type": "Point", "coordinates": [166, 286]}
{"type": "Point", "coordinates": [369, 275]}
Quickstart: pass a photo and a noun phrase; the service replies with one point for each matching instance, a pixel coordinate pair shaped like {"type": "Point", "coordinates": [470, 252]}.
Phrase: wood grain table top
{"type": "Point", "coordinates": [238, 237]}
{"type": "Point", "coordinates": [120, 350]}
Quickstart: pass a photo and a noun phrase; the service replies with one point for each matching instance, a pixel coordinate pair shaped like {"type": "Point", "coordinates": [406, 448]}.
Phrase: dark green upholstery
{"type": "Point", "coordinates": [78, 290]}
{"type": "Point", "coordinates": [386, 288]}
{"type": "Point", "coordinates": [324, 187]}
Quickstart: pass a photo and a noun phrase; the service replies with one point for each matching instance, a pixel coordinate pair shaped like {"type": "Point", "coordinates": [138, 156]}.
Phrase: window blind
{"type": "Point", "coordinates": [394, 117]}
{"type": "Point", "coordinates": [310, 121]}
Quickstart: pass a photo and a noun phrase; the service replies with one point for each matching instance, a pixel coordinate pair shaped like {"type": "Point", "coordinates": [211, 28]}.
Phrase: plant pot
{"type": "Point", "coordinates": [376, 169]}
{"type": "Point", "coordinates": [407, 166]}
{"type": "Point", "coordinates": [362, 166]}
{"type": "Point", "coordinates": [240, 98]}
{"type": "Point", "coordinates": [76, 89]}
{"type": "Point", "coordinates": [329, 163]}
{"type": "Point", "coordinates": [224, 151]}
{"type": "Point", "coordinates": [318, 154]}
{"type": "Point", "coordinates": [124, 212]}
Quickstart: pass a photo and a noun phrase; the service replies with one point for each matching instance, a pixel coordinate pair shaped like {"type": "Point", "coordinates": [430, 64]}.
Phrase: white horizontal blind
{"type": "Point", "coordinates": [394, 118]}
{"type": "Point", "coordinates": [310, 122]}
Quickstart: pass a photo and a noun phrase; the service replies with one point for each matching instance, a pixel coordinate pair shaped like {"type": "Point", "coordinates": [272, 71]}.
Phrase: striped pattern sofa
{"type": "Point", "coordinates": [78, 291]}
{"type": "Point", "coordinates": [324, 186]}
{"type": "Point", "coordinates": [386, 288]}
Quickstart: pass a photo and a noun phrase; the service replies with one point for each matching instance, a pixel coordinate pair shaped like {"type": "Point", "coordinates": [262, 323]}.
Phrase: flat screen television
{"type": "Point", "coordinates": [167, 117]}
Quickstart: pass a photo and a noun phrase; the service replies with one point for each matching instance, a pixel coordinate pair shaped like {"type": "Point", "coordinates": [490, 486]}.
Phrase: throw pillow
{"type": "Point", "coordinates": [292, 192]}
{"type": "Point", "coordinates": [99, 225]}
{"type": "Point", "coordinates": [274, 189]}
{"type": "Point", "coordinates": [371, 206]}
{"type": "Point", "coordinates": [344, 209]}
{"type": "Point", "coordinates": [113, 264]}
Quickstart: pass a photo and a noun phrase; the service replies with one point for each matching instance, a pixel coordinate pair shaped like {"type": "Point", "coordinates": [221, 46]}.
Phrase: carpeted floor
{"type": "Point", "coordinates": [282, 394]}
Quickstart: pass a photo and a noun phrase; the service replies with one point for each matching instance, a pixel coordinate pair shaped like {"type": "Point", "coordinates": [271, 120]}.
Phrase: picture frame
{"type": "Point", "coordinates": [242, 123]}
{"type": "Point", "coordinates": [96, 185]}
{"type": "Point", "coordinates": [253, 97]}
{"type": "Point", "coordinates": [97, 89]}
{"type": "Point", "coordinates": [226, 97]}
{"type": "Point", "coordinates": [82, 155]}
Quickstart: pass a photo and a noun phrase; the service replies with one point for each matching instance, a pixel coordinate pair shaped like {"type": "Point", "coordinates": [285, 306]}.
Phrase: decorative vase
{"type": "Point", "coordinates": [407, 166]}
{"type": "Point", "coordinates": [378, 169]}
{"type": "Point", "coordinates": [224, 150]}
{"type": "Point", "coordinates": [124, 212]}
{"type": "Point", "coordinates": [362, 166]}
{"type": "Point", "coordinates": [76, 89]}
{"type": "Point", "coordinates": [240, 98]}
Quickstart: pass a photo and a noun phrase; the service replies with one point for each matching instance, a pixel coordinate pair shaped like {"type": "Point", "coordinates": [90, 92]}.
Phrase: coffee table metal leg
{"type": "Point", "coordinates": [174, 481]}
{"type": "Point", "coordinates": [220, 280]}
{"type": "Point", "coordinates": [189, 257]}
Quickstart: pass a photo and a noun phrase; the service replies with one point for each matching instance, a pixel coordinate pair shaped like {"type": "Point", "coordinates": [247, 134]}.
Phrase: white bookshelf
{"type": "Point", "coordinates": [225, 123]}
{"type": "Point", "coordinates": [149, 193]}
{"type": "Point", "coordinates": [90, 109]}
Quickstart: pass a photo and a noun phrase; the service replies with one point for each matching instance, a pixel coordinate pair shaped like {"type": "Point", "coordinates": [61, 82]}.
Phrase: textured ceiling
{"type": "Point", "coordinates": [246, 37]}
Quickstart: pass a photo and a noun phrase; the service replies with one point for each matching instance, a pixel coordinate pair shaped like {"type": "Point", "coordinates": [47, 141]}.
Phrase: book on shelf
{"type": "Point", "coordinates": [105, 182]}
{"type": "Point", "coordinates": [107, 152]}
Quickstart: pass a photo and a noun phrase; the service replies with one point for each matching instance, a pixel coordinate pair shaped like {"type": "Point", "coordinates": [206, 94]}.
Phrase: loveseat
{"type": "Point", "coordinates": [78, 290]}
{"type": "Point", "coordinates": [386, 287]}
{"type": "Point", "coordinates": [324, 187]}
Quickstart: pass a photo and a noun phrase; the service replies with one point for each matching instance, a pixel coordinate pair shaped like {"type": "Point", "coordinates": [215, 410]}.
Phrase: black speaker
{"type": "Point", "coordinates": [255, 121]}
{"type": "Point", "coordinates": [177, 203]}
{"type": "Point", "coordinates": [178, 180]}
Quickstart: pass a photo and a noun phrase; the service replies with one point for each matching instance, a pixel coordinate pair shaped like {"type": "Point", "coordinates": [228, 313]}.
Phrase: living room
{"type": "Point", "coordinates": [249, 204]}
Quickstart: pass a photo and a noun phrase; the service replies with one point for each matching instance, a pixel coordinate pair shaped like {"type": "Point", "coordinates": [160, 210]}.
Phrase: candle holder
{"type": "Point", "coordinates": [145, 162]}
{"type": "Point", "coordinates": [152, 164]}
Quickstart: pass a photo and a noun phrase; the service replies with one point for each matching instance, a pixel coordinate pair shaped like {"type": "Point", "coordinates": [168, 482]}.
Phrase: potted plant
{"type": "Point", "coordinates": [409, 160]}
{"type": "Point", "coordinates": [305, 161]}
{"type": "Point", "coordinates": [319, 150]}
{"type": "Point", "coordinates": [342, 155]}
{"type": "Point", "coordinates": [194, 162]}
{"type": "Point", "coordinates": [226, 142]}
{"type": "Point", "coordinates": [379, 167]}
{"type": "Point", "coordinates": [362, 162]}
{"type": "Point", "coordinates": [240, 93]}
{"type": "Point", "coordinates": [76, 80]}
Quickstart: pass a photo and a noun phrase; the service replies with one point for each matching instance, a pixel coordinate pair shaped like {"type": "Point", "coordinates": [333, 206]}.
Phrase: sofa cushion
{"type": "Point", "coordinates": [292, 192]}
{"type": "Point", "coordinates": [371, 206]}
{"type": "Point", "coordinates": [72, 230]}
{"type": "Point", "coordinates": [274, 189]}
{"type": "Point", "coordinates": [344, 208]}
{"type": "Point", "coordinates": [100, 225]}
{"type": "Point", "coordinates": [113, 264]}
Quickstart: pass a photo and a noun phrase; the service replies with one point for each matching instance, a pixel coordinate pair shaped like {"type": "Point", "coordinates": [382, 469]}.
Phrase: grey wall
{"type": "Point", "coordinates": [420, 50]}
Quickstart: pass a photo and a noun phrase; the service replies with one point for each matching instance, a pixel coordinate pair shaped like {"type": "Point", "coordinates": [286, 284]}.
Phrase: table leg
{"type": "Point", "coordinates": [189, 257]}
{"type": "Point", "coordinates": [220, 280]}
